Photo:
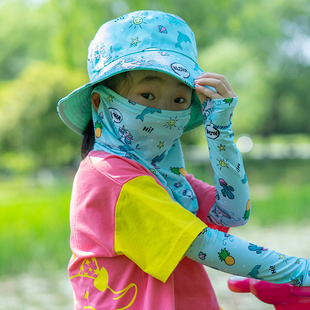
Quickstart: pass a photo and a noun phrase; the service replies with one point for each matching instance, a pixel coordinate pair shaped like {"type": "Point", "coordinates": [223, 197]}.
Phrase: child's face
{"type": "Point", "coordinates": [156, 90]}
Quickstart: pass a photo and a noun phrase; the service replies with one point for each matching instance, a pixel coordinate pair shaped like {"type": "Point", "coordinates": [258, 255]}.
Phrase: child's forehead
{"type": "Point", "coordinates": [147, 76]}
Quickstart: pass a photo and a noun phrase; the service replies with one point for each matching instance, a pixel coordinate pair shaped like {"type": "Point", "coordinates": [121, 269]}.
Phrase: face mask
{"type": "Point", "coordinates": [147, 135]}
{"type": "Point", "coordinates": [147, 131]}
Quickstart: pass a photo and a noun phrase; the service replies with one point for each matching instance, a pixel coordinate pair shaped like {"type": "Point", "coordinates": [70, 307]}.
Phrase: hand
{"type": "Point", "coordinates": [216, 81]}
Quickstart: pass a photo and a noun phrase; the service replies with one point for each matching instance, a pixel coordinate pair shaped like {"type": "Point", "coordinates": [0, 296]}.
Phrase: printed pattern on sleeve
{"type": "Point", "coordinates": [232, 207]}
{"type": "Point", "coordinates": [233, 255]}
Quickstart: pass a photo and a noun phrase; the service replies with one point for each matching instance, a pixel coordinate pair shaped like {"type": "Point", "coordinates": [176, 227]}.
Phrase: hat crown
{"type": "Point", "coordinates": [140, 32]}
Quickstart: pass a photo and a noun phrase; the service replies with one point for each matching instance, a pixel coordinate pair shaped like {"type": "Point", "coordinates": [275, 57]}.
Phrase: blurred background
{"type": "Point", "coordinates": [262, 47]}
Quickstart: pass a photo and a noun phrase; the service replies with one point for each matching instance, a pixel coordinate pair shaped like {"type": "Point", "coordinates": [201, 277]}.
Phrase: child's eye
{"type": "Point", "coordinates": [179, 100]}
{"type": "Point", "coordinates": [148, 96]}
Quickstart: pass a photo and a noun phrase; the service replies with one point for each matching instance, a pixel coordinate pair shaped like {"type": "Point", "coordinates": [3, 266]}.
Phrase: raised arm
{"type": "Point", "coordinates": [232, 204]}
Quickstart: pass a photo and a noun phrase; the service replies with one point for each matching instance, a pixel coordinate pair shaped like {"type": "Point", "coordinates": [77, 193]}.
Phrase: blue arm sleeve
{"type": "Point", "coordinates": [233, 255]}
{"type": "Point", "coordinates": [232, 207]}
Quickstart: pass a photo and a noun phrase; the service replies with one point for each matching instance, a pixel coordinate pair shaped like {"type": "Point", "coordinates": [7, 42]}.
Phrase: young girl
{"type": "Point", "coordinates": [141, 227]}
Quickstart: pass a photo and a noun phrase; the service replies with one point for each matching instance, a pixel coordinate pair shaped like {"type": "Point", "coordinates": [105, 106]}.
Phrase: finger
{"type": "Point", "coordinates": [204, 93]}
{"type": "Point", "coordinates": [217, 77]}
{"type": "Point", "coordinates": [219, 86]}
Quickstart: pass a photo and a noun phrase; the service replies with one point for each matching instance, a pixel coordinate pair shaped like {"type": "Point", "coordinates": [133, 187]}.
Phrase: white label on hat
{"type": "Point", "coordinates": [116, 115]}
{"type": "Point", "coordinates": [180, 70]}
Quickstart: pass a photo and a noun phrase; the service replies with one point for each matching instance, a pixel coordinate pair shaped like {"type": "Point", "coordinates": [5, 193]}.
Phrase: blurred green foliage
{"type": "Point", "coordinates": [35, 233]}
{"type": "Point", "coordinates": [260, 46]}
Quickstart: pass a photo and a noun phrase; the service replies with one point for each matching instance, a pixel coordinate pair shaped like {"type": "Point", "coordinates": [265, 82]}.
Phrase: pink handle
{"type": "Point", "coordinates": [282, 296]}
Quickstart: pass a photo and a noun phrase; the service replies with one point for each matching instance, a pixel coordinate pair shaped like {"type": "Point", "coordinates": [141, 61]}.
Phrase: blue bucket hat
{"type": "Point", "coordinates": [141, 40]}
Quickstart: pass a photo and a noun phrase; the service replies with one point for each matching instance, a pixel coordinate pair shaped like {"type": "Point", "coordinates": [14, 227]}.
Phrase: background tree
{"type": "Point", "coordinates": [262, 47]}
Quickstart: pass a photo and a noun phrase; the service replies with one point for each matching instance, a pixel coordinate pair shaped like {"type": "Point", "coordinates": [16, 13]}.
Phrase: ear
{"type": "Point", "coordinates": [95, 99]}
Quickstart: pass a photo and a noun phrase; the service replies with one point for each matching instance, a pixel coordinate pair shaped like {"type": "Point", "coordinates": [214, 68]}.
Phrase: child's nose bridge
{"type": "Point", "coordinates": [164, 103]}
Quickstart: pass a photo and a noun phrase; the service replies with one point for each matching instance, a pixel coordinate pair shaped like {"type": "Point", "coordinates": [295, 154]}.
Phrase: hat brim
{"type": "Point", "coordinates": [75, 109]}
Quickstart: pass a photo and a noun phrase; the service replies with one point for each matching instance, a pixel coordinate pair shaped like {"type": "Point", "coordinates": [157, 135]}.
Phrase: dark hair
{"type": "Point", "coordinates": [115, 83]}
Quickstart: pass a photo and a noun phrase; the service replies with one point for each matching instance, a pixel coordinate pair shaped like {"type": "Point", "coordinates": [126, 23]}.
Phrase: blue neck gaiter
{"type": "Point", "coordinates": [147, 135]}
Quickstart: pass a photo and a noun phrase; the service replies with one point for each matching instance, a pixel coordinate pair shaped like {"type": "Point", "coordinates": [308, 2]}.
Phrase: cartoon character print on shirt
{"type": "Point", "coordinates": [90, 269]}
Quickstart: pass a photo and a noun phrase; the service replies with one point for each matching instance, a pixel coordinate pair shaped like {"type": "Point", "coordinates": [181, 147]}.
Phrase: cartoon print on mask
{"type": "Point", "coordinates": [158, 159]}
{"type": "Point", "coordinates": [116, 115]}
{"type": "Point", "coordinates": [98, 130]}
{"type": "Point", "coordinates": [178, 171]}
{"type": "Point", "coordinates": [90, 269]}
{"type": "Point", "coordinates": [147, 111]}
{"type": "Point", "coordinates": [182, 38]}
{"type": "Point", "coordinates": [153, 171]}
{"type": "Point", "coordinates": [125, 135]}
{"type": "Point", "coordinates": [178, 184]}
{"type": "Point", "coordinates": [110, 98]}
{"type": "Point", "coordinates": [188, 193]}
{"type": "Point", "coordinates": [227, 189]}
{"type": "Point", "coordinates": [161, 144]}
{"type": "Point", "coordinates": [126, 149]}
{"type": "Point", "coordinates": [171, 123]}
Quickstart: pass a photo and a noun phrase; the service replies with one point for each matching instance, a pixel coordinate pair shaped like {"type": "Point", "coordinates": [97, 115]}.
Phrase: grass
{"type": "Point", "coordinates": [35, 225]}
{"type": "Point", "coordinates": [35, 218]}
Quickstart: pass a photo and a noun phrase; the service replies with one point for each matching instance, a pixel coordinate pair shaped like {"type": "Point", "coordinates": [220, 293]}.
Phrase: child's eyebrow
{"type": "Point", "coordinates": [150, 78]}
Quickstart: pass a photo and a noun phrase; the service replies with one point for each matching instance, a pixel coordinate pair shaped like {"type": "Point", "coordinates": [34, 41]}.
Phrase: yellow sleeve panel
{"type": "Point", "coordinates": [151, 228]}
